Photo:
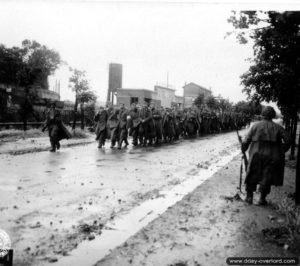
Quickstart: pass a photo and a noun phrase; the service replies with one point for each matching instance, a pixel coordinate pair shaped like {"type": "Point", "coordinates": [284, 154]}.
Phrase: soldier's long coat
{"type": "Point", "coordinates": [144, 128]}
{"type": "Point", "coordinates": [56, 128]}
{"type": "Point", "coordinates": [191, 123]}
{"type": "Point", "coordinates": [113, 125]}
{"type": "Point", "coordinates": [134, 124]}
{"type": "Point", "coordinates": [101, 120]}
{"type": "Point", "coordinates": [157, 119]}
{"type": "Point", "coordinates": [123, 125]}
{"type": "Point", "coordinates": [268, 142]}
{"type": "Point", "coordinates": [178, 118]}
{"type": "Point", "coordinates": [168, 126]}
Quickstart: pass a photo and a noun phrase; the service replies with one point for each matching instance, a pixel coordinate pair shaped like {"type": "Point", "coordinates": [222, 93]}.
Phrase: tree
{"type": "Point", "coordinates": [90, 112]}
{"type": "Point", "coordinates": [275, 71]}
{"type": "Point", "coordinates": [199, 101]}
{"type": "Point", "coordinates": [14, 71]}
{"type": "Point", "coordinates": [212, 103]}
{"type": "Point", "coordinates": [248, 108]}
{"type": "Point", "coordinates": [11, 63]}
{"type": "Point", "coordinates": [83, 94]}
{"type": "Point", "coordinates": [40, 61]}
{"type": "Point", "coordinates": [26, 66]}
{"type": "Point", "coordinates": [224, 105]}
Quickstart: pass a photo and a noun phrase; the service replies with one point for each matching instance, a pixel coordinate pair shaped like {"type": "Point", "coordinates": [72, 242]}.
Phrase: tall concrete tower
{"type": "Point", "coordinates": [114, 81]}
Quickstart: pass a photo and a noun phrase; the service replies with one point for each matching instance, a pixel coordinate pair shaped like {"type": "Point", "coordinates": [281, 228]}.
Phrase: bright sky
{"type": "Point", "coordinates": [149, 39]}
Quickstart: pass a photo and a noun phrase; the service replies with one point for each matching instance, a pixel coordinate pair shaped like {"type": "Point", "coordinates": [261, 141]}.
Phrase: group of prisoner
{"type": "Point", "coordinates": [149, 125]}
{"type": "Point", "coordinates": [266, 141]}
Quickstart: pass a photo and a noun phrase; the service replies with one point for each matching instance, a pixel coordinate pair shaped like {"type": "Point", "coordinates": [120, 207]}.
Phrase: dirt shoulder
{"type": "Point", "coordinates": [208, 226]}
{"type": "Point", "coordinates": [21, 145]}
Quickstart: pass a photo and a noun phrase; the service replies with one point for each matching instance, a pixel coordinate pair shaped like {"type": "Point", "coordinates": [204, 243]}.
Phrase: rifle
{"type": "Point", "coordinates": [244, 159]}
{"type": "Point", "coordinates": [45, 126]}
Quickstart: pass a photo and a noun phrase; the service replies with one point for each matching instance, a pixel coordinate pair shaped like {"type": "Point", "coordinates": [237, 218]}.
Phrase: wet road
{"type": "Point", "coordinates": [44, 196]}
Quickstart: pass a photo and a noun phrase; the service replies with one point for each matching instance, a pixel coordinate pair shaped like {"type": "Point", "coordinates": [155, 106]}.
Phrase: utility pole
{"type": "Point", "coordinates": [168, 79]}
{"type": "Point", "coordinates": [59, 87]}
{"type": "Point", "coordinates": [297, 194]}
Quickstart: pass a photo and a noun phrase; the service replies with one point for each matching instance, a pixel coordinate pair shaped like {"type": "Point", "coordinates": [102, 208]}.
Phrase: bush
{"type": "Point", "coordinates": [292, 214]}
{"type": "Point", "coordinates": [288, 233]}
{"type": "Point", "coordinates": [15, 133]}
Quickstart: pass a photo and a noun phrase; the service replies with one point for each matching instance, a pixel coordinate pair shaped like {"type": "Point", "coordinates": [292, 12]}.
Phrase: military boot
{"type": "Point", "coordinates": [126, 143]}
{"type": "Point", "coordinates": [249, 197]}
{"type": "Point", "coordinates": [145, 142]}
{"type": "Point", "coordinates": [53, 147]}
{"type": "Point", "coordinates": [135, 143]}
{"type": "Point", "coordinates": [262, 199]}
{"type": "Point", "coordinates": [112, 145]}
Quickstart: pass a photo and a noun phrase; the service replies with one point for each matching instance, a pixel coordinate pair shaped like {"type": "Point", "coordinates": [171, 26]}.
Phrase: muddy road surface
{"type": "Point", "coordinates": [51, 203]}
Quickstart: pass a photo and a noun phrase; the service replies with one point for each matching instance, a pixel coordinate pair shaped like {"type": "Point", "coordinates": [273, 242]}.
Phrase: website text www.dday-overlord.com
{"type": "Point", "coordinates": [262, 261]}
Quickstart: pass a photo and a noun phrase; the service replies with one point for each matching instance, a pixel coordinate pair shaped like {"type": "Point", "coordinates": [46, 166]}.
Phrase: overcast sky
{"type": "Point", "coordinates": [149, 39]}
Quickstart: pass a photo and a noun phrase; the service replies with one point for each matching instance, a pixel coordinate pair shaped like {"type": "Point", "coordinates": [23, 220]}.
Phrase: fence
{"type": "Point", "coordinates": [19, 125]}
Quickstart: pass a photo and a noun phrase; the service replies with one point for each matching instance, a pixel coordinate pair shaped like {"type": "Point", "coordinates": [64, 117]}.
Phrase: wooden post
{"type": "Point", "coordinates": [74, 114]}
{"type": "Point", "coordinates": [293, 137]}
{"type": "Point", "coordinates": [82, 116]}
{"type": "Point", "coordinates": [297, 194]}
{"type": "Point", "coordinates": [25, 111]}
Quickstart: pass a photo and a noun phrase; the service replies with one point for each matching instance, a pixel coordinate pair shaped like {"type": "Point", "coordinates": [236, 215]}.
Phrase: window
{"type": "Point", "coordinates": [134, 100]}
{"type": "Point", "coordinates": [147, 100]}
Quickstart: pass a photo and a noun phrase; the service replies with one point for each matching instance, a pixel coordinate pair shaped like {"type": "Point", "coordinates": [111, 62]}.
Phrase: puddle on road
{"type": "Point", "coordinates": [90, 252]}
{"type": "Point", "coordinates": [8, 188]}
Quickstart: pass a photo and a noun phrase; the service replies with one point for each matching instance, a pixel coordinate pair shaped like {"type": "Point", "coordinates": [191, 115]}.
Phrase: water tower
{"type": "Point", "coordinates": [114, 81]}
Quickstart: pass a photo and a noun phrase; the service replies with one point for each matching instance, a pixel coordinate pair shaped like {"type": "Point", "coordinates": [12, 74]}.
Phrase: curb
{"type": "Point", "coordinates": [32, 150]}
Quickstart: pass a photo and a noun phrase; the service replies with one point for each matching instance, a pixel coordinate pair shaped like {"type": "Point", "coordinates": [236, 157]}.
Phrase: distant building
{"type": "Point", "coordinates": [167, 97]}
{"type": "Point", "coordinates": [68, 106]}
{"type": "Point", "coordinates": [161, 96]}
{"type": "Point", "coordinates": [179, 101]}
{"type": "Point", "coordinates": [138, 96]}
{"type": "Point", "coordinates": [114, 81]}
{"type": "Point", "coordinates": [191, 91]}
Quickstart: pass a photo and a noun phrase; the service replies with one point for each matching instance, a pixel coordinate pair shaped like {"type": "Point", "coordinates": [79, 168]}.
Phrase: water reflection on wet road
{"type": "Point", "coordinates": [45, 196]}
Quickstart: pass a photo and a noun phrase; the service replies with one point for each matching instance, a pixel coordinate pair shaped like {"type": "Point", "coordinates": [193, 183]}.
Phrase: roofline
{"type": "Point", "coordinates": [164, 88]}
{"type": "Point", "coordinates": [137, 89]}
{"type": "Point", "coordinates": [197, 85]}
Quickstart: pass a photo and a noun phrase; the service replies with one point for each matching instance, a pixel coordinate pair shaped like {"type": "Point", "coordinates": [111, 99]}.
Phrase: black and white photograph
{"type": "Point", "coordinates": [149, 133]}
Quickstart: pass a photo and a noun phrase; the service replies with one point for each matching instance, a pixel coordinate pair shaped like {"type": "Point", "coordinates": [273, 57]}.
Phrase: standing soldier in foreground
{"type": "Point", "coordinates": [101, 130]}
{"type": "Point", "coordinates": [268, 142]}
{"type": "Point", "coordinates": [56, 128]}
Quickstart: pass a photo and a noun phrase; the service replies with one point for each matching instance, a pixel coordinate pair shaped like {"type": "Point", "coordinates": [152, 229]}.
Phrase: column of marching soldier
{"type": "Point", "coordinates": [149, 125]}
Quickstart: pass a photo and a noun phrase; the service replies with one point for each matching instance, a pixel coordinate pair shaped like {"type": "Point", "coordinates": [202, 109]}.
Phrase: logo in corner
{"type": "Point", "coordinates": [5, 243]}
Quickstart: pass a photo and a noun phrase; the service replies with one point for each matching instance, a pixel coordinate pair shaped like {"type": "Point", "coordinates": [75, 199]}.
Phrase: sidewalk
{"type": "Point", "coordinates": [208, 226]}
{"type": "Point", "coordinates": [28, 145]}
